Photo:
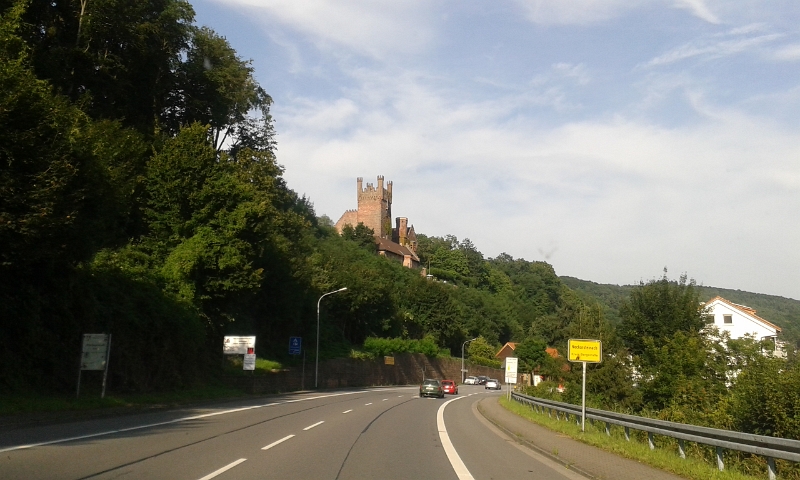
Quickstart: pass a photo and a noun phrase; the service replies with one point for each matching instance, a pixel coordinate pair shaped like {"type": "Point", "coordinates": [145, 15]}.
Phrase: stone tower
{"type": "Point", "coordinates": [375, 207]}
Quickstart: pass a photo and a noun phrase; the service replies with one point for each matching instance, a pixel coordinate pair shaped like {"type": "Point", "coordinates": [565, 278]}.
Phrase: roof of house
{"type": "Point", "coordinates": [553, 352]}
{"type": "Point", "coordinates": [386, 245]}
{"type": "Point", "coordinates": [511, 345]}
{"type": "Point", "coordinates": [744, 309]}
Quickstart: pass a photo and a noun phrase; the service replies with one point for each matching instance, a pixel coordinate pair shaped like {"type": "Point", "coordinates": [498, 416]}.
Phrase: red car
{"type": "Point", "coordinates": [450, 387]}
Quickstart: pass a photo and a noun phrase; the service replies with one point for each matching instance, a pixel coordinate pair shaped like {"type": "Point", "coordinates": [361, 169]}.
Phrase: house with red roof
{"type": "Point", "coordinates": [740, 321]}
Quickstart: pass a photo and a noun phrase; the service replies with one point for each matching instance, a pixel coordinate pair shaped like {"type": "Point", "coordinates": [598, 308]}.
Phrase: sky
{"type": "Point", "coordinates": [610, 138]}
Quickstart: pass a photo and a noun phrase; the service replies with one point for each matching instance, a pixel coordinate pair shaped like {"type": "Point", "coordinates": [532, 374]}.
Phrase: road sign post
{"type": "Point", "coordinates": [584, 351]}
{"type": "Point", "coordinates": [295, 345]}
{"type": "Point", "coordinates": [95, 353]}
{"type": "Point", "coordinates": [510, 366]}
{"type": "Point", "coordinates": [249, 361]}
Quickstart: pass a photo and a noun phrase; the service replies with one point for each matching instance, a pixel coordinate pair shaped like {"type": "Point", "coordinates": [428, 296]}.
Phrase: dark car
{"type": "Point", "coordinates": [430, 388]}
{"type": "Point", "coordinates": [481, 380]}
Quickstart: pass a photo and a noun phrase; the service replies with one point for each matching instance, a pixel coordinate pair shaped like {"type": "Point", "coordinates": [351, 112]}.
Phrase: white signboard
{"type": "Point", "coordinates": [510, 368]}
{"type": "Point", "coordinates": [249, 361]}
{"type": "Point", "coordinates": [95, 351]}
{"type": "Point", "coordinates": [237, 345]}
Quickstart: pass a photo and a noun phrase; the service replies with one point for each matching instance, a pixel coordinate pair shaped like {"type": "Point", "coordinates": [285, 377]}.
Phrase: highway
{"type": "Point", "coordinates": [381, 433]}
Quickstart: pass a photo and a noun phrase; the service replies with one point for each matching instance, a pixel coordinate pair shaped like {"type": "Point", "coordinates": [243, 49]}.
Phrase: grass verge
{"type": "Point", "coordinates": [663, 459]}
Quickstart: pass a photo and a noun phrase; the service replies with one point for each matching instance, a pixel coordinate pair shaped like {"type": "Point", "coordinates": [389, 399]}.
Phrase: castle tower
{"type": "Point", "coordinates": [402, 230]}
{"type": "Point", "coordinates": [375, 207]}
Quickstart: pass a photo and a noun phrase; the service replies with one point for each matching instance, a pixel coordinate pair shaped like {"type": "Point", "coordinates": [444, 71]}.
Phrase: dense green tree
{"type": "Point", "coordinates": [658, 310]}
{"type": "Point", "coordinates": [362, 235]}
{"type": "Point", "coordinates": [51, 182]}
{"type": "Point", "coordinates": [217, 88]}
{"type": "Point", "coordinates": [532, 354]}
{"type": "Point", "coordinates": [765, 399]}
{"type": "Point", "coordinates": [118, 58]}
{"type": "Point", "coordinates": [678, 370]}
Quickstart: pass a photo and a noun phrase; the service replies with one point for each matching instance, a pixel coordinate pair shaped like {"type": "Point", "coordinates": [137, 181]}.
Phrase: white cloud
{"type": "Point", "coordinates": [574, 12]}
{"type": "Point", "coordinates": [585, 12]}
{"type": "Point", "coordinates": [372, 28]}
{"type": "Point", "coordinates": [699, 9]}
{"type": "Point", "coordinates": [321, 116]}
{"type": "Point", "coordinates": [788, 53]}
{"type": "Point", "coordinates": [707, 49]}
{"type": "Point", "coordinates": [616, 198]}
{"type": "Point", "coordinates": [618, 173]}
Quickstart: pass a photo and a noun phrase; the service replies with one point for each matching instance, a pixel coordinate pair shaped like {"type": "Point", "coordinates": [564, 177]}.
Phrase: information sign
{"type": "Point", "coordinates": [249, 362]}
{"type": "Point", "coordinates": [295, 345]}
{"type": "Point", "coordinates": [590, 351]}
{"type": "Point", "coordinates": [511, 369]}
{"type": "Point", "coordinates": [95, 351]}
{"type": "Point", "coordinates": [387, 360]}
{"type": "Point", "coordinates": [237, 345]}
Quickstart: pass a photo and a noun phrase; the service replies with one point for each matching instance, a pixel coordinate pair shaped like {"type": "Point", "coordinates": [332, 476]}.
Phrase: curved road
{"type": "Point", "coordinates": [381, 433]}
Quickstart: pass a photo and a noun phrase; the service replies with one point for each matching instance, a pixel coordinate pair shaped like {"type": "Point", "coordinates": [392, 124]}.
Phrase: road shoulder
{"type": "Point", "coordinates": [585, 459]}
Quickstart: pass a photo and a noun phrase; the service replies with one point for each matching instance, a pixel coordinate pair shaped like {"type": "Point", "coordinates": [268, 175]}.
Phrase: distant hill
{"type": "Point", "coordinates": [783, 312]}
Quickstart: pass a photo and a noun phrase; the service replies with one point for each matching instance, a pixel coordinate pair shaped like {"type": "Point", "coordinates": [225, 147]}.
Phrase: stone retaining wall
{"type": "Point", "coordinates": [408, 369]}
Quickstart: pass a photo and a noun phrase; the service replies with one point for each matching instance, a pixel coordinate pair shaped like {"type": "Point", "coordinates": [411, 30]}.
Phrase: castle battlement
{"type": "Point", "coordinates": [375, 212]}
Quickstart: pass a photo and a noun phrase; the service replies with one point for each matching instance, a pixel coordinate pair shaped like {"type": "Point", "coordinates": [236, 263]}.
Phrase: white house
{"type": "Point", "coordinates": [740, 321]}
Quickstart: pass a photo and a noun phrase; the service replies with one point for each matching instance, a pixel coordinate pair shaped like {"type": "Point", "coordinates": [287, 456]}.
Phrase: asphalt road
{"type": "Point", "coordinates": [385, 433]}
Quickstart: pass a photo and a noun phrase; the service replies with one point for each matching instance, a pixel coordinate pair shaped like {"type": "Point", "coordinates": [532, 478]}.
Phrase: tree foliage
{"type": "Point", "coordinates": [658, 310]}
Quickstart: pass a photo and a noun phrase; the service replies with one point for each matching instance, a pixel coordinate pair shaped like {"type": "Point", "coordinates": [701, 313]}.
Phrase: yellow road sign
{"type": "Point", "coordinates": [590, 351]}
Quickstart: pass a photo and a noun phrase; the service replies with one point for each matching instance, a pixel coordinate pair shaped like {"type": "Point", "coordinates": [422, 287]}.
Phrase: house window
{"type": "Point", "coordinates": [727, 318]}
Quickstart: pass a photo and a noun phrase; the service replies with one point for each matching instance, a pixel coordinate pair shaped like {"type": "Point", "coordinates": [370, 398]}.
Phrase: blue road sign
{"type": "Point", "coordinates": [294, 345]}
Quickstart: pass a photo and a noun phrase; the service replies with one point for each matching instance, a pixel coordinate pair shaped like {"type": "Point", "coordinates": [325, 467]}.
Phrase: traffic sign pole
{"type": "Point", "coordinates": [583, 403]}
{"type": "Point", "coordinates": [584, 351]}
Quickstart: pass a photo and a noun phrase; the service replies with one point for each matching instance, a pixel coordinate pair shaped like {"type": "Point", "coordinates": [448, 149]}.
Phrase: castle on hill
{"type": "Point", "coordinates": [375, 211]}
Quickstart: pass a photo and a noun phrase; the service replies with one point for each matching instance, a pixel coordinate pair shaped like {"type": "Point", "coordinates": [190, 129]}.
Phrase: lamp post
{"type": "Point", "coordinates": [316, 360]}
{"type": "Point", "coordinates": [462, 357]}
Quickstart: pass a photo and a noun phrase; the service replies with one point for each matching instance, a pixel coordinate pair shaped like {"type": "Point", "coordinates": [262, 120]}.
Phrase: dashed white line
{"type": "Point", "coordinates": [370, 403]}
{"type": "Point", "coordinates": [223, 469]}
{"type": "Point", "coordinates": [348, 411]}
{"type": "Point", "coordinates": [287, 437]}
{"type": "Point", "coordinates": [312, 426]}
{"type": "Point", "coordinates": [169, 422]}
{"type": "Point", "coordinates": [384, 399]}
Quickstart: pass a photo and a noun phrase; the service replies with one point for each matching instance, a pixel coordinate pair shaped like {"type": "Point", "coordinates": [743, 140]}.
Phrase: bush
{"type": "Point", "coordinates": [380, 347]}
{"type": "Point", "coordinates": [486, 362]}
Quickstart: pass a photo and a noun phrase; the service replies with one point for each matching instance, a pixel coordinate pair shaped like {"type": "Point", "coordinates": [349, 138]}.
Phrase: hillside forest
{"type": "Point", "coordinates": [141, 195]}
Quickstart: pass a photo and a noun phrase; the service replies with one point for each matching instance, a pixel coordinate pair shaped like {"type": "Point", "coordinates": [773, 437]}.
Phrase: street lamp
{"type": "Point", "coordinates": [316, 361]}
{"type": "Point", "coordinates": [462, 357]}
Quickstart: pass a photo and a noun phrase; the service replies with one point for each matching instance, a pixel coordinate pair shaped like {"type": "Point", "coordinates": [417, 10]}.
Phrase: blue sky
{"type": "Point", "coordinates": [611, 138]}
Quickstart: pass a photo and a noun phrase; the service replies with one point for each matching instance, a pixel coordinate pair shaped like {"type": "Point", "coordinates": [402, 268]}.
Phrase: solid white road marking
{"type": "Point", "coordinates": [169, 422]}
{"type": "Point", "coordinates": [312, 426]}
{"type": "Point", "coordinates": [223, 469]}
{"type": "Point", "coordinates": [452, 455]}
{"type": "Point", "coordinates": [287, 437]}
{"type": "Point", "coordinates": [348, 411]}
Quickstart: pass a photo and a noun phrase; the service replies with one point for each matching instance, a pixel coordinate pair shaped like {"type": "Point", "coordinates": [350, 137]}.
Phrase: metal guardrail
{"type": "Point", "coordinates": [769, 447]}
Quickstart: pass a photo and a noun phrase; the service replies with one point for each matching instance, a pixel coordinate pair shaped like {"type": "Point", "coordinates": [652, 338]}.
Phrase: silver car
{"type": "Point", "coordinates": [493, 384]}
